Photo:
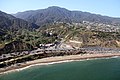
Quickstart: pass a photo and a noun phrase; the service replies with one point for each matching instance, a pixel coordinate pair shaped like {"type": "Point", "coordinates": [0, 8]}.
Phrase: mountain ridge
{"type": "Point", "coordinates": [54, 13]}
{"type": "Point", "coordinates": [9, 22]}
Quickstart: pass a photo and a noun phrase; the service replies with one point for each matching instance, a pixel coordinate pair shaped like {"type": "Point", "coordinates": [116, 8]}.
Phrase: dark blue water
{"type": "Point", "coordinates": [99, 69]}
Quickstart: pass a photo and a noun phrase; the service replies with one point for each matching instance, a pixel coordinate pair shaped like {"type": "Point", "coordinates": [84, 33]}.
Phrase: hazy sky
{"type": "Point", "coordinates": [104, 7]}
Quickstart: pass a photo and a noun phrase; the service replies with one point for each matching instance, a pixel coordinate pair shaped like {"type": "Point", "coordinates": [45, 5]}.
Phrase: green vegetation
{"type": "Point", "coordinates": [62, 32]}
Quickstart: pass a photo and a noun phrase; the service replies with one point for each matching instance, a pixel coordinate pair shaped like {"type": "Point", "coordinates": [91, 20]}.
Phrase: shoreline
{"type": "Point", "coordinates": [54, 60]}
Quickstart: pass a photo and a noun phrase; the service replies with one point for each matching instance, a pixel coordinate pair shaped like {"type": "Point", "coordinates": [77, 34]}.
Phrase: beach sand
{"type": "Point", "coordinates": [53, 60]}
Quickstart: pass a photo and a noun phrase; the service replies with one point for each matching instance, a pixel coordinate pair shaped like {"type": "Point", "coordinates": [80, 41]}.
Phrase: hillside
{"type": "Point", "coordinates": [81, 36]}
{"type": "Point", "coordinates": [57, 14]}
{"type": "Point", "coordinates": [66, 33]}
{"type": "Point", "coordinates": [11, 28]}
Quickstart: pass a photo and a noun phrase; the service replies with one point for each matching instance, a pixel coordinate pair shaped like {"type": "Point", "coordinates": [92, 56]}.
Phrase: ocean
{"type": "Point", "coordinates": [97, 69]}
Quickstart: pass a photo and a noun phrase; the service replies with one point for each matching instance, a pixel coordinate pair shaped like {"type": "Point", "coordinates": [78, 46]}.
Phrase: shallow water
{"type": "Point", "coordinates": [99, 69]}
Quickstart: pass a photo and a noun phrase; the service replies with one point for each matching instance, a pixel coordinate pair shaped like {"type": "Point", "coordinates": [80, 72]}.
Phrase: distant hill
{"type": "Point", "coordinates": [51, 14]}
{"type": "Point", "coordinates": [9, 22]}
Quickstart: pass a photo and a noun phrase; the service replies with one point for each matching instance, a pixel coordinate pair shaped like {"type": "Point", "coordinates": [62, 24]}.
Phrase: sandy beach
{"type": "Point", "coordinates": [53, 60]}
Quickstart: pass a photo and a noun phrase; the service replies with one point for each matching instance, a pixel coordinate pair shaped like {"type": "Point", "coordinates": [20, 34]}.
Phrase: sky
{"type": "Point", "coordinates": [103, 7]}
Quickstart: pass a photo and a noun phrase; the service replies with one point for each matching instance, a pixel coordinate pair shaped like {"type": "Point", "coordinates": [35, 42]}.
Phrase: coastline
{"type": "Point", "coordinates": [57, 59]}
